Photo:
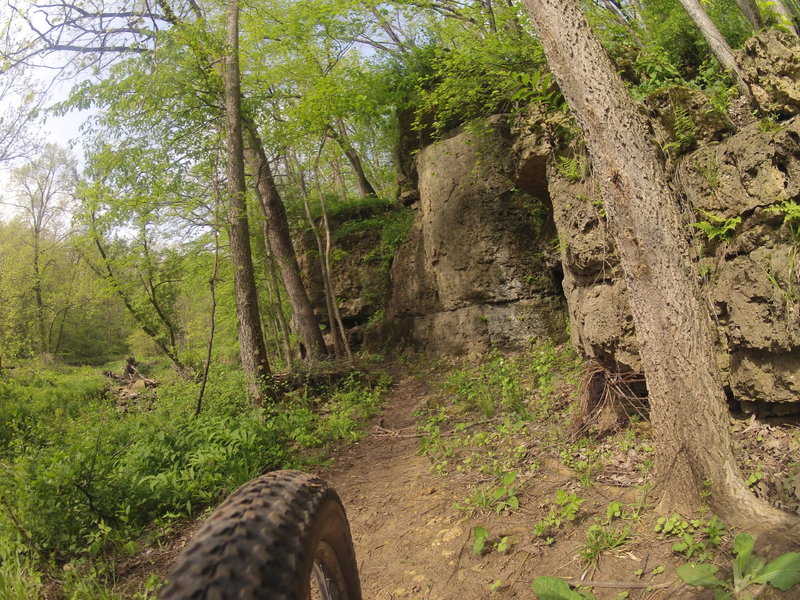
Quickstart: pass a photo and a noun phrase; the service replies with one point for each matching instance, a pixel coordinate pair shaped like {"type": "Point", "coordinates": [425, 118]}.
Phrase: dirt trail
{"type": "Point", "coordinates": [412, 543]}
{"type": "Point", "coordinates": [410, 540]}
{"type": "Point", "coordinates": [407, 541]}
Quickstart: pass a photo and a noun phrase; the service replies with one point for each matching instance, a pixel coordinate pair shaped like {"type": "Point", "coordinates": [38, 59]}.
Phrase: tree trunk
{"type": "Point", "coordinates": [784, 15]}
{"type": "Point", "coordinates": [719, 47]}
{"type": "Point", "coordinates": [276, 228]}
{"type": "Point", "coordinates": [275, 290]}
{"type": "Point", "coordinates": [251, 339]}
{"type": "Point", "coordinates": [212, 324]}
{"type": "Point", "coordinates": [688, 407]}
{"type": "Point", "coordinates": [44, 346]}
{"type": "Point", "coordinates": [750, 12]}
{"type": "Point", "coordinates": [338, 346]}
{"type": "Point", "coordinates": [326, 257]}
{"type": "Point", "coordinates": [365, 189]}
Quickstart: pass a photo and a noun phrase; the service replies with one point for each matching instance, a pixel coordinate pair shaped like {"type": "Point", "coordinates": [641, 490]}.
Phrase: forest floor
{"type": "Point", "coordinates": [415, 515]}
{"type": "Point", "coordinates": [412, 542]}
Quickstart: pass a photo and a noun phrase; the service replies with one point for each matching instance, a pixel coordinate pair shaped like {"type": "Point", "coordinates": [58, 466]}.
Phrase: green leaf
{"type": "Point", "coordinates": [700, 575]}
{"type": "Point", "coordinates": [553, 588]}
{"type": "Point", "coordinates": [742, 548]}
{"type": "Point", "coordinates": [722, 595]}
{"type": "Point", "coordinates": [782, 573]}
{"type": "Point", "coordinates": [479, 534]}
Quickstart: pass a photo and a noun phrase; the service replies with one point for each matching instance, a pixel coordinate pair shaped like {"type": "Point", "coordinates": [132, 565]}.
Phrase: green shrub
{"type": "Point", "coordinates": [80, 477]}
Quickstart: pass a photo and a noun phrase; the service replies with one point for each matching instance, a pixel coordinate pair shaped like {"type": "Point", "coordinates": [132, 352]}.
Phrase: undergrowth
{"type": "Point", "coordinates": [489, 416]}
{"type": "Point", "coordinates": [83, 476]}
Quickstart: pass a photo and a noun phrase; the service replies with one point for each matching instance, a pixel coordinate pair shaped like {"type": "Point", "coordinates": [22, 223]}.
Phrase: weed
{"type": "Point", "coordinates": [505, 496]}
{"type": "Point", "coordinates": [553, 588]}
{"type": "Point", "coordinates": [586, 462]}
{"type": "Point", "coordinates": [479, 535]}
{"type": "Point", "coordinates": [601, 209]}
{"type": "Point", "coordinates": [747, 569]}
{"type": "Point", "coordinates": [600, 539]}
{"type": "Point", "coordinates": [694, 537]}
{"type": "Point", "coordinates": [567, 507]}
{"type": "Point", "coordinates": [499, 498]}
{"type": "Point", "coordinates": [768, 124]}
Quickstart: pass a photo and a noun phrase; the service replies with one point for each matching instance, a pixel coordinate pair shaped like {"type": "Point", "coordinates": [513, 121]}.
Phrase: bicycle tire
{"type": "Point", "coordinates": [265, 541]}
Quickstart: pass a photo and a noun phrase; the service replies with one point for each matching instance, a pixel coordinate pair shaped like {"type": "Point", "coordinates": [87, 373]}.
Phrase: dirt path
{"type": "Point", "coordinates": [410, 540]}
{"type": "Point", "coordinates": [407, 539]}
{"type": "Point", "coordinates": [412, 543]}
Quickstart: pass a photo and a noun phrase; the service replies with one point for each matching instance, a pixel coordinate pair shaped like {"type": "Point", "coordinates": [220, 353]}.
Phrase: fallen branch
{"type": "Point", "coordinates": [632, 585]}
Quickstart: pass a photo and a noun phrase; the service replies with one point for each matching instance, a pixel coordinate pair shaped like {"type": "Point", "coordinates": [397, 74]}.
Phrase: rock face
{"type": "Point", "coordinates": [477, 271]}
{"type": "Point", "coordinates": [358, 268]}
{"type": "Point", "coordinates": [771, 64]}
{"type": "Point", "coordinates": [753, 277]}
{"type": "Point", "coordinates": [750, 183]}
{"type": "Point", "coordinates": [510, 238]}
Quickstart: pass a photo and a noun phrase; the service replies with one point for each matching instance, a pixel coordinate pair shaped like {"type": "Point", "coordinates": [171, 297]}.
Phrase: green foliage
{"type": "Point", "coordinates": [553, 588]}
{"type": "Point", "coordinates": [502, 497]}
{"type": "Point", "coordinates": [600, 539]}
{"type": "Point", "coordinates": [783, 572]}
{"type": "Point", "coordinates": [657, 72]}
{"type": "Point", "coordinates": [467, 70]}
{"type": "Point", "coordinates": [717, 227]}
{"type": "Point", "coordinates": [19, 579]}
{"type": "Point", "coordinates": [565, 511]}
{"type": "Point", "coordinates": [572, 168]}
{"type": "Point", "coordinates": [695, 537]}
{"type": "Point", "coordinates": [540, 90]}
{"type": "Point", "coordinates": [479, 535]}
{"type": "Point", "coordinates": [684, 130]}
{"type": "Point", "coordinates": [790, 210]}
{"type": "Point", "coordinates": [80, 478]}
{"type": "Point", "coordinates": [487, 388]}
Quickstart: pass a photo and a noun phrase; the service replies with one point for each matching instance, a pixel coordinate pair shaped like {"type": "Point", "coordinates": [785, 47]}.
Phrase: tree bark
{"type": "Point", "coordinates": [719, 47]}
{"type": "Point", "coordinates": [212, 289]}
{"type": "Point", "coordinates": [688, 407]}
{"type": "Point", "coordinates": [275, 290]}
{"type": "Point", "coordinates": [365, 188]}
{"type": "Point", "coordinates": [253, 352]}
{"type": "Point", "coordinates": [276, 228]}
{"type": "Point", "coordinates": [784, 15]}
{"type": "Point", "coordinates": [750, 12]}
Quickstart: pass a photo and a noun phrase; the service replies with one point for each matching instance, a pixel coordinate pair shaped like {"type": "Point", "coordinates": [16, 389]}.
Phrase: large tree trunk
{"type": "Point", "coordinates": [276, 227]}
{"type": "Point", "coordinates": [251, 339]}
{"type": "Point", "coordinates": [719, 47]}
{"type": "Point", "coordinates": [688, 407]}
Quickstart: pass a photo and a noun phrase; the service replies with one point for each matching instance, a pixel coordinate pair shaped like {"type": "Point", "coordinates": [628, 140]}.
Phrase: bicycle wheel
{"type": "Point", "coordinates": [283, 536]}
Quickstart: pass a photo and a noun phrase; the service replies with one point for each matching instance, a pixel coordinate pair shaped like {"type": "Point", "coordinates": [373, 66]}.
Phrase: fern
{"type": "Point", "coordinates": [717, 227]}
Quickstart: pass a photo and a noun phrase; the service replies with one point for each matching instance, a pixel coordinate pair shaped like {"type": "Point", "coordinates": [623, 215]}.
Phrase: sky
{"type": "Point", "coordinates": [59, 130]}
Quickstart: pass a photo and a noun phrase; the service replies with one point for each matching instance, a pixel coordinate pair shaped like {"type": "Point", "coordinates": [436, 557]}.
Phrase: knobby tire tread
{"type": "Point", "coordinates": [260, 542]}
